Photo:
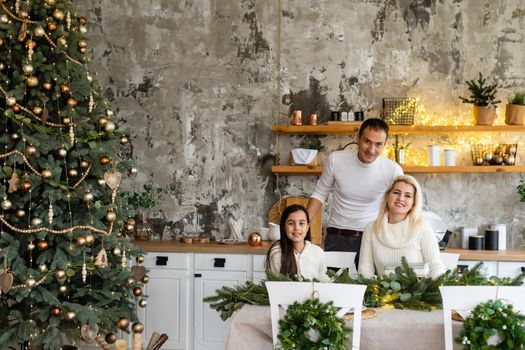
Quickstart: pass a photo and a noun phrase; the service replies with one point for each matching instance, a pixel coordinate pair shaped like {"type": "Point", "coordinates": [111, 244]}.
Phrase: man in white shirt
{"type": "Point", "coordinates": [358, 180]}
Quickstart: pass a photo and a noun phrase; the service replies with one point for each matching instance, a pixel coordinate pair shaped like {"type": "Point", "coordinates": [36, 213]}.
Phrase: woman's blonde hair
{"type": "Point", "coordinates": [414, 215]}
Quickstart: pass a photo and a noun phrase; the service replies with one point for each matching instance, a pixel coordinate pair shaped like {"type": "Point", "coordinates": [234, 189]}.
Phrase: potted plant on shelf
{"type": "Point", "coordinates": [515, 109]}
{"type": "Point", "coordinates": [140, 203]}
{"type": "Point", "coordinates": [483, 97]}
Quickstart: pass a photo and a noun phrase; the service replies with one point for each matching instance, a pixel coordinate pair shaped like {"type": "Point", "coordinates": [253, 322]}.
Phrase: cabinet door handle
{"type": "Point", "coordinates": [219, 262]}
{"type": "Point", "coordinates": [161, 261]}
{"type": "Point", "coordinates": [197, 275]}
{"type": "Point", "coordinates": [462, 267]}
{"type": "Point", "coordinates": [523, 269]}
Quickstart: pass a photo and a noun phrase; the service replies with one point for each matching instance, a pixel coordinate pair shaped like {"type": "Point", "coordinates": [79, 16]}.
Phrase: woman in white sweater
{"type": "Point", "coordinates": [294, 254]}
{"type": "Point", "coordinates": [398, 231]}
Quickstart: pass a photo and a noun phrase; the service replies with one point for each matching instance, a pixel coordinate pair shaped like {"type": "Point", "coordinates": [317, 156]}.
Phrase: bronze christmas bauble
{"type": "Point", "coordinates": [64, 87]}
{"type": "Point", "coordinates": [30, 150]}
{"type": "Point", "coordinates": [47, 85]}
{"type": "Point", "coordinates": [110, 338]}
{"type": "Point", "coordinates": [42, 244]}
{"type": "Point", "coordinates": [32, 81]}
{"type": "Point", "coordinates": [82, 20]}
{"type": "Point", "coordinates": [25, 185]}
{"type": "Point", "coordinates": [20, 213]}
{"type": "Point", "coordinates": [71, 102]}
{"type": "Point", "coordinates": [104, 160]}
{"type": "Point", "coordinates": [56, 311]}
{"type": "Point", "coordinates": [139, 259]}
{"type": "Point", "coordinates": [23, 14]}
{"type": "Point", "coordinates": [145, 279]}
{"type": "Point", "coordinates": [137, 327]}
{"type": "Point", "coordinates": [60, 274]}
{"type": "Point", "coordinates": [30, 44]}
{"type": "Point", "coordinates": [255, 239]}
{"type": "Point", "coordinates": [16, 108]}
{"type": "Point", "coordinates": [137, 291]}
{"type": "Point", "coordinates": [37, 110]}
{"type": "Point", "coordinates": [123, 323]}
{"type": "Point", "coordinates": [46, 174]}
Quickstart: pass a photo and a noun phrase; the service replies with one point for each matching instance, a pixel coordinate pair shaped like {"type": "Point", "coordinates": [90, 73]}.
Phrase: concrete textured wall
{"type": "Point", "coordinates": [199, 83]}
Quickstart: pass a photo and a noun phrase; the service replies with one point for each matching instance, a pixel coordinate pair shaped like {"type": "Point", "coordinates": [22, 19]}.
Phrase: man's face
{"type": "Point", "coordinates": [370, 145]}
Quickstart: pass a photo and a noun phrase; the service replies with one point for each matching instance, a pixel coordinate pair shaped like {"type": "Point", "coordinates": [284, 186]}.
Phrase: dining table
{"type": "Point", "coordinates": [387, 329]}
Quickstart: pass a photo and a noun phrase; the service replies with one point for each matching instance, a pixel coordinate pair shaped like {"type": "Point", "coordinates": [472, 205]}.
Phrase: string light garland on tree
{"type": "Point", "coordinates": [63, 244]}
{"type": "Point", "coordinates": [493, 325]}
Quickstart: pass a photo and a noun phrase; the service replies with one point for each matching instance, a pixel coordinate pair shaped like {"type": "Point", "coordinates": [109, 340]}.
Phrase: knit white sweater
{"type": "Point", "coordinates": [385, 248]}
{"type": "Point", "coordinates": [310, 262]}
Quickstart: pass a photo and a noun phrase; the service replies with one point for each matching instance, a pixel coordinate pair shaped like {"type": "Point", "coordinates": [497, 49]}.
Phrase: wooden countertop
{"type": "Point", "coordinates": [169, 246]}
{"type": "Point", "coordinates": [489, 255]}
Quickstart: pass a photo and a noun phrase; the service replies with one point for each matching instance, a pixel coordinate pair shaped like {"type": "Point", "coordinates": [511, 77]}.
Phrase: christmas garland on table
{"type": "Point", "coordinates": [493, 319]}
{"type": "Point", "coordinates": [401, 290]}
{"type": "Point", "coordinates": [312, 325]}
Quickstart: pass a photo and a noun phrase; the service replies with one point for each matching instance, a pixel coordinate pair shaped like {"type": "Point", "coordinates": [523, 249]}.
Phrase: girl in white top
{"type": "Point", "coordinates": [294, 254]}
{"type": "Point", "coordinates": [399, 231]}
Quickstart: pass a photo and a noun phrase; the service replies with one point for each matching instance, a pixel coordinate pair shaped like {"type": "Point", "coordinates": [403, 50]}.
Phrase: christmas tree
{"type": "Point", "coordinates": [64, 272]}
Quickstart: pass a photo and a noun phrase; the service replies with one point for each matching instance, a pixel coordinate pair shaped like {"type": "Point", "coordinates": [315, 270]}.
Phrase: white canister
{"type": "Point", "coordinates": [502, 235]}
{"type": "Point", "coordinates": [466, 232]}
{"type": "Point", "coordinates": [450, 157]}
{"type": "Point", "coordinates": [434, 155]}
{"type": "Point", "coordinates": [275, 232]}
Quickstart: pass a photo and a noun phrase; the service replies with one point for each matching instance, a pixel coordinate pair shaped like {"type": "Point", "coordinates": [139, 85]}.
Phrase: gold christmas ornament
{"type": "Point", "coordinates": [32, 81]}
{"type": "Point", "coordinates": [133, 171]}
{"type": "Point", "coordinates": [2, 66]}
{"type": "Point", "coordinates": [110, 126]}
{"type": "Point", "coordinates": [137, 291]}
{"type": "Point", "coordinates": [84, 164]}
{"type": "Point", "coordinates": [30, 150]}
{"type": "Point", "coordinates": [36, 221]}
{"type": "Point", "coordinates": [59, 14]}
{"type": "Point", "coordinates": [62, 152]}
{"type": "Point", "coordinates": [109, 112]}
{"type": "Point", "coordinates": [30, 282]}
{"type": "Point", "coordinates": [124, 140]}
{"type": "Point", "coordinates": [70, 316]}
{"type": "Point", "coordinates": [82, 43]}
{"type": "Point", "coordinates": [130, 281]}
{"type": "Point", "coordinates": [71, 102]}
{"type": "Point", "coordinates": [81, 241]}
{"type": "Point", "coordinates": [31, 246]}
{"type": "Point", "coordinates": [27, 69]}
{"type": "Point", "coordinates": [110, 338]}
{"type": "Point", "coordinates": [25, 185]}
{"type": "Point", "coordinates": [20, 213]}
{"type": "Point", "coordinates": [145, 279]}
{"type": "Point", "coordinates": [1, 41]}
{"type": "Point", "coordinates": [101, 182]}
{"type": "Point", "coordinates": [137, 327]}
{"type": "Point", "coordinates": [15, 136]}
{"type": "Point", "coordinates": [47, 85]}
{"type": "Point", "coordinates": [90, 239]}
{"type": "Point", "coordinates": [6, 204]}
{"type": "Point", "coordinates": [62, 289]}
{"type": "Point", "coordinates": [82, 30]}
{"type": "Point", "coordinates": [64, 87]}
{"type": "Point", "coordinates": [88, 196]}
{"type": "Point", "coordinates": [123, 323]}
{"type": "Point", "coordinates": [104, 160]}
{"type": "Point", "coordinates": [60, 274]}
{"type": "Point", "coordinates": [46, 174]}
{"type": "Point", "coordinates": [39, 31]}
{"type": "Point", "coordinates": [111, 216]}
{"type": "Point", "coordinates": [37, 110]}
{"type": "Point", "coordinates": [139, 259]}
{"type": "Point", "coordinates": [255, 239]}
{"type": "Point", "coordinates": [10, 101]}
{"type": "Point", "coordinates": [143, 303]}
{"type": "Point", "coordinates": [4, 18]}
{"type": "Point", "coordinates": [66, 120]}
{"type": "Point", "coordinates": [82, 20]}
{"type": "Point", "coordinates": [42, 268]}
{"type": "Point", "coordinates": [73, 172]}
{"type": "Point", "coordinates": [42, 244]}
{"type": "Point", "coordinates": [23, 14]}
{"type": "Point", "coordinates": [30, 44]}
{"type": "Point", "coordinates": [116, 251]}
{"type": "Point", "coordinates": [56, 311]}
{"type": "Point", "coordinates": [50, 2]}
{"type": "Point", "coordinates": [130, 227]}
{"type": "Point", "coordinates": [102, 121]}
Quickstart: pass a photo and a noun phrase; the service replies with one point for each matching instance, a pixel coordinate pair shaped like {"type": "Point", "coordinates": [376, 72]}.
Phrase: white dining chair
{"type": "Point", "coordinates": [465, 298]}
{"type": "Point", "coordinates": [341, 260]}
{"type": "Point", "coordinates": [450, 260]}
{"type": "Point", "coordinates": [344, 296]}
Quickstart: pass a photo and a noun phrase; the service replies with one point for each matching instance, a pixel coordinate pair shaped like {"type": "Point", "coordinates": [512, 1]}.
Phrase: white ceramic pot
{"type": "Point", "coordinates": [275, 232]}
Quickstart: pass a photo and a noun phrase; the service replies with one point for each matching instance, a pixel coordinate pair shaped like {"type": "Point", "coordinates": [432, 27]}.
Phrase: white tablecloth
{"type": "Point", "coordinates": [391, 329]}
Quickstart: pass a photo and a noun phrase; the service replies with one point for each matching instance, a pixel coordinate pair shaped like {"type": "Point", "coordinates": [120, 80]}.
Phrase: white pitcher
{"type": "Point", "coordinates": [275, 232]}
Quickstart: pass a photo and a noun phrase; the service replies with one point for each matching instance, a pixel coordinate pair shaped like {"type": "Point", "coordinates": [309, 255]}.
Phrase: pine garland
{"type": "Point", "coordinates": [401, 290]}
{"type": "Point", "coordinates": [493, 318]}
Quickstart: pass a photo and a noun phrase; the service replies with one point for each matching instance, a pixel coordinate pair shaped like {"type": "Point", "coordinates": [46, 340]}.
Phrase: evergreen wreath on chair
{"type": "Point", "coordinates": [312, 325]}
{"type": "Point", "coordinates": [493, 319]}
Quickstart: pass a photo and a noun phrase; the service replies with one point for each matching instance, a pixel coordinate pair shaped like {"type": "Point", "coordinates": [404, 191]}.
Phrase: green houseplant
{"type": "Point", "coordinates": [483, 98]}
{"type": "Point", "coordinates": [140, 203]}
{"type": "Point", "coordinates": [515, 109]}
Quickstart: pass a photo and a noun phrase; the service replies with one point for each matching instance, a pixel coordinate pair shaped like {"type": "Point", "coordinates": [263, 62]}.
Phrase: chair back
{"type": "Point", "coordinates": [466, 298]}
{"type": "Point", "coordinates": [341, 260]}
{"type": "Point", "coordinates": [450, 260]}
{"type": "Point", "coordinates": [344, 296]}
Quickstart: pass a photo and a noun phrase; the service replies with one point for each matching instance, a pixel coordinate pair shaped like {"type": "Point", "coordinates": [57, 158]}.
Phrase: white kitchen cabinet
{"type": "Point", "coordinates": [510, 269]}
{"type": "Point", "coordinates": [490, 268]}
{"type": "Point", "coordinates": [259, 269]}
{"type": "Point", "coordinates": [169, 299]}
{"type": "Point", "coordinates": [212, 272]}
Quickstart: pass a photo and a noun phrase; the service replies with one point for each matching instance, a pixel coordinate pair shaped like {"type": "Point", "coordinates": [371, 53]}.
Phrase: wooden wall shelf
{"type": "Point", "coordinates": [394, 129]}
{"type": "Point", "coordinates": [288, 170]}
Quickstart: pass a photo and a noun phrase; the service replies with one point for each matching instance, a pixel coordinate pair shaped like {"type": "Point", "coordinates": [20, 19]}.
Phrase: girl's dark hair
{"type": "Point", "coordinates": [288, 264]}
